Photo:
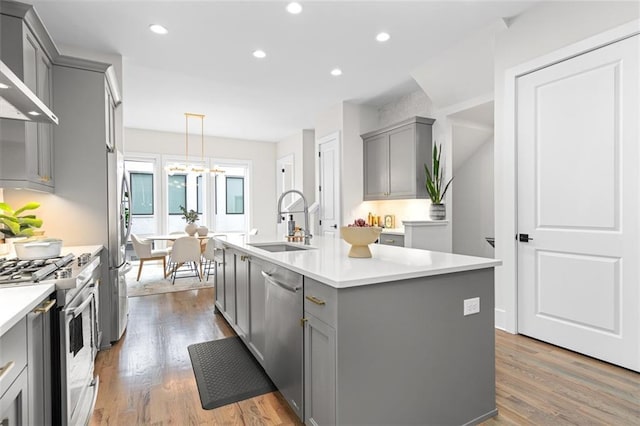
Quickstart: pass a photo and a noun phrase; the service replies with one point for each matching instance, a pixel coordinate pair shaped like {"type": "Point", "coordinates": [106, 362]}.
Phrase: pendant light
{"type": "Point", "coordinates": [187, 167]}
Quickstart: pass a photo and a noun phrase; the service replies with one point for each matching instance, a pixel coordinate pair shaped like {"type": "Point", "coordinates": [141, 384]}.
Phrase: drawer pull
{"type": "Point", "coordinates": [7, 367]}
{"type": "Point", "coordinates": [46, 307]}
{"type": "Point", "coordinates": [390, 241]}
{"type": "Point", "coordinates": [316, 300]}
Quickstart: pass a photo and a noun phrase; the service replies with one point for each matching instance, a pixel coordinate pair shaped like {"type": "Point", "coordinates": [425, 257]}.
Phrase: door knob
{"type": "Point", "coordinates": [334, 226]}
{"type": "Point", "coordinates": [524, 238]}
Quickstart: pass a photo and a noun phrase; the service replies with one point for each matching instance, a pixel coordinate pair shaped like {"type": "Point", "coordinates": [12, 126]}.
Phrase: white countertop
{"type": "Point", "coordinates": [327, 261]}
{"type": "Point", "coordinates": [16, 302]}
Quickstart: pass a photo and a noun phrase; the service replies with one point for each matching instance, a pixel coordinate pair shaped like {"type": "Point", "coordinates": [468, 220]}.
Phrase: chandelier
{"type": "Point", "coordinates": [187, 167]}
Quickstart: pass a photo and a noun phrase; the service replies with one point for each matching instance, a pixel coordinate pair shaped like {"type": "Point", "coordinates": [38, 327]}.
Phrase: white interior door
{"type": "Point", "coordinates": [329, 186]}
{"type": "Point", "coordinates": [578, 161]}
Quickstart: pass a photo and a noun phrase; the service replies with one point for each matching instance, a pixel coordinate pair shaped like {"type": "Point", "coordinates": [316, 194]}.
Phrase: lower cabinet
{"type": "Point", "coordinates": [242, 294]}
{"type": "Point", "coordinates": [319, 372]}
{"type": "Point", "coordinates": [39, 362]}
{"type": "Point", "coordinates": [257, 302]}
{"type": "Point", "coordinates": [25, 369]}
{"type": "Point", "coordinates": [219, 280]}
{"type": "Point", "coordinates": [14, 402]}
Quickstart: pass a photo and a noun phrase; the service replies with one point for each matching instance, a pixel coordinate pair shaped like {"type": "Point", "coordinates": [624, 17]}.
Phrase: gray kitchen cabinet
{"type": "Point", "coordinates": [394, 159]}
{"type": "Point", "coordinates": [391, 239]}
{"type": "Point", "coordinates": [319, 372]}
{"type": "Point", "coordinates": [257, 302]}
{"type": "Point", "coordinates": [15, 401]}
{"type": "Point", "coordinates": [39, 363]}
{"type": "Point", "coordinates": [26, 148]}
{"type": "Point", "coordinates": [242, 294]}
{"type": "Point", "coordinates": [219, 280]}
{"type": "Point", "coordinates": [230, 286]}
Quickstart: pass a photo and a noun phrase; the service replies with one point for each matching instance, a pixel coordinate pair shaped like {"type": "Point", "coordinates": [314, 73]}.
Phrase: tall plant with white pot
{"type": "Point", "coordinates": [435, 184]}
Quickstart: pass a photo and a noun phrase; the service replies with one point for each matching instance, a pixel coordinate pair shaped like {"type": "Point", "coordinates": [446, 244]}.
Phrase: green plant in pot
{"type": "Point", "coordinates": [191, 216]}
{"type": "Point", "coordinates": [435, 184]}
{"type": "Point", "coordinates": [16, 223]}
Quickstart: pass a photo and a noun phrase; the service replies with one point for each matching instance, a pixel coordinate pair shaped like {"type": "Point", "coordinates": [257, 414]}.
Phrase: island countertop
{"type": "Point", "coordinates": [326, 260]}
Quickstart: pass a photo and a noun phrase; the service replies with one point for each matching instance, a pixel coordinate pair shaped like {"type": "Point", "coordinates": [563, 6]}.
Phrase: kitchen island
{"type": "Point", "coordinates": [405, 337]}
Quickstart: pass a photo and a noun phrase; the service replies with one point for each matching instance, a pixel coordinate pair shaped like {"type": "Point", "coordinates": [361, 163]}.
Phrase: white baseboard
{"type": "Point", "coordinates": [500, 319]}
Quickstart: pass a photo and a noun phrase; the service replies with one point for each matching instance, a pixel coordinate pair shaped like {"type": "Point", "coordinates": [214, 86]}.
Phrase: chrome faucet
{"type": "Point", "coordinates": [307, 232]}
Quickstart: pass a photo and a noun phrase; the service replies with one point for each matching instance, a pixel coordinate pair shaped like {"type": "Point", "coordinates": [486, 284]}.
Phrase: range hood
{"type": "Point", "coordinates": [18, 102]}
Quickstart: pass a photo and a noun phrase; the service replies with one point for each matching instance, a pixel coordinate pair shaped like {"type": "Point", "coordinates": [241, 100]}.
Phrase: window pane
{"type": "Point", "coordinates": [142, 193]}
{"type": "Point", "coordinates": [177, 193]}
{"type": "Point", "coordinates": [199, 194]}
{"type": "Point", "coordinates": [235, 195]}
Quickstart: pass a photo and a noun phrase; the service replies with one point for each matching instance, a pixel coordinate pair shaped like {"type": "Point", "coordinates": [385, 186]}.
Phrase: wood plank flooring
{"type": "Point", "coordinates": [146, 378]}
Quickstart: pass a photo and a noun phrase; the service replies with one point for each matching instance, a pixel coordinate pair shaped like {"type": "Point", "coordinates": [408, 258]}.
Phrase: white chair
{"type": "Point", "coordinates": [185, 251]}
{"type": "Point", "coordinates": [208, 257]}
{"type": "Point", "coordinates": [144, 250]}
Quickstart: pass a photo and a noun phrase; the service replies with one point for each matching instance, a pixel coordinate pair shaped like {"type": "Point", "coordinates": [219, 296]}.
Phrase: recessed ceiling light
{"type": "Point", "coordinates": [158, 29]}
{"type": "Point", "coordinates": [259, 54]}
{"type": "Point", "coordinates": [34, 113]}
{"type": "Point", "coordinates": [336, 72]}
{"type": "Point", "coordinates": [294, 8]}
{"type": "Point", "coordinates": [3, 86]}
{"type": "Point", "coordinates": [382, 37]}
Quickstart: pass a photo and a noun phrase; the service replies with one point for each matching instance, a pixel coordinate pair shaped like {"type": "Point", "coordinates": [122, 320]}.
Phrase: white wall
{"type": "Point", "coordinates": [540, 30]}
{"type": "Point", "coordinates": [262, 156]}
{"type": "Point", "coordinates": [472, 204]}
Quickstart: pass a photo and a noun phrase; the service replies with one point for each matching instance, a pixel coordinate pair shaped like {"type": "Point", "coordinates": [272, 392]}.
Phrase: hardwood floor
{"type": "Point", "coordinates": [146, 378]}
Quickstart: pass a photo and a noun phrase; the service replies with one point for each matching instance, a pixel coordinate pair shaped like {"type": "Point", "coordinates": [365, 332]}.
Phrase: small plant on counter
{"type": "Point", "coordinates": [17, 224]}
{"type": "Point", "coordinates": [435, 178]}
{"type": "Point", "coordinates": [190, 216]}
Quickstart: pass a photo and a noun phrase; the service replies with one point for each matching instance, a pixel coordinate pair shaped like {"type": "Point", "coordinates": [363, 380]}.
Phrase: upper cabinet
{"type": "Point", "coordinates": [394, 159]}
{"type": "Point", "coordinates": [26, 148]}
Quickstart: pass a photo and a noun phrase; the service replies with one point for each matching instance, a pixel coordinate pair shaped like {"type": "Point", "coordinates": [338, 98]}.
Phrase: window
{"type": "Point", "coordinates": [177, 192]}
{"type": "Point", "coordinates": [235, 195]}
{"type": "Point", "coordinates": [199, 194]}
{"type": "Point", "coordinates": [141, 193]}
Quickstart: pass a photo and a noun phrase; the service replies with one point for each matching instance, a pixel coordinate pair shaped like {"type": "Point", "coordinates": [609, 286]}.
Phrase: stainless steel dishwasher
{"type": "Point", "coordinates": [284, 333]}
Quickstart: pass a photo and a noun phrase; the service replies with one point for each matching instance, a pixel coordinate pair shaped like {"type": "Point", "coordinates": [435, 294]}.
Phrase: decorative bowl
{"type": "Point", "coordinates": [360, 238]}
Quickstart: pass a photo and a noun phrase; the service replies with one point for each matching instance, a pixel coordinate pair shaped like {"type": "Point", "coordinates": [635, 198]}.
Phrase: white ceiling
{"type": "Point", "coordinates": [205, 64]}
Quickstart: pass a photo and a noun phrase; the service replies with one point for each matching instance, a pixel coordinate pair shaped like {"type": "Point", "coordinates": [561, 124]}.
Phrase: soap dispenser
{"type": "Point", "coordinates": [291, 226]}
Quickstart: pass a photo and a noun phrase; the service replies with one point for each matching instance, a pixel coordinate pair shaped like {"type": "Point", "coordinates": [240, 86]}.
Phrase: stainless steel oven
{"type": "Point", "coordinates": [78, 348]}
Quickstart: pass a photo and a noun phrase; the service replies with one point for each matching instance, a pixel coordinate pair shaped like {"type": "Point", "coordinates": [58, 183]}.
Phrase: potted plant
{"type": "Point", "coordinates": [191, 217]}
{"type": "Point", "coordinates": [17, 224]}
{"type": "Point", "coordinates": [436, 188]}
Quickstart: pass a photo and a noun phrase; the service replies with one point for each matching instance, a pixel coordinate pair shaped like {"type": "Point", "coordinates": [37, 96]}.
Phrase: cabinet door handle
{"type": "Point", "coordinates": [316, 300]}
{"type": "Point", "coordinates": [302, 321]}
{"type": "Point", "coordinates": [6, 368]}
{"type": "Point", "coordinates": [4, 422]}
{"type": "Point", "coordinates": [46, 307]}
{"type": "Point", "coordinates": [390, 241]}
{"type": "Point", "coordinates": [245, 257]}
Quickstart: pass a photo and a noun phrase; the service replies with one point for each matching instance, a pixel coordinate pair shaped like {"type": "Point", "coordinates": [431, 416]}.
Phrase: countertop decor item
{"type": "Point", "coordinates": [191, 216]}
{"type": "Point", "coordinates": [30, 249]}
{"type": "Point", "coordinates": [360, 237]}
{"type": "Point", "coordinates": [434, 183]}
{"type": "Point", "coordinates": [17, 224]}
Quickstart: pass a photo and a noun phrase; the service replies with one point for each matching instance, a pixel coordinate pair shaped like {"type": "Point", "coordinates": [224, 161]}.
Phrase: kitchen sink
{"type": "Point", "coordinates": [279, 247]}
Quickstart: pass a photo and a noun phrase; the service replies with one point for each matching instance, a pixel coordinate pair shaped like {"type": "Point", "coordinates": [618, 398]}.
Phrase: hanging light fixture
{"type": "Point", "coordinates": [187, 167]}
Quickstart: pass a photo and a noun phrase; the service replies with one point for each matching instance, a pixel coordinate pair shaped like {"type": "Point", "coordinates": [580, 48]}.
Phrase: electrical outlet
{"type": "Point", "coordinates": [471, 306]}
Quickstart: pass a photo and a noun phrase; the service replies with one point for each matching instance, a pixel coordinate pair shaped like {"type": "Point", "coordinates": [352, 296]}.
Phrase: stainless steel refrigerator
{"type": "Point", "coordinates": [119, 231]}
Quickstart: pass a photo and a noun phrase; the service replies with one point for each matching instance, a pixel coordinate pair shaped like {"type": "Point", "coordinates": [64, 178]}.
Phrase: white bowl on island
{"type": "Point", "coordinates": [360, 237]}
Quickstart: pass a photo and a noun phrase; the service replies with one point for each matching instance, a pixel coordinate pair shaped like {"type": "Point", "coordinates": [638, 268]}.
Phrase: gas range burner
{"type": "Point", "coordinates": [17, 271]}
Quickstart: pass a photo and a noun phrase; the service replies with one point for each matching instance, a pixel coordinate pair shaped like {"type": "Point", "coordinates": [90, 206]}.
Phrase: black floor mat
{"type": "Point", "coordinates": [227, 372]}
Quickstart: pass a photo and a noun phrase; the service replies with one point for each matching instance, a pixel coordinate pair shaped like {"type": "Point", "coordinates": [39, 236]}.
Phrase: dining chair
{"type": "Point", "coordinates": [144, 250]}
{"type": "Point", "coordinates": [185, 252]}
{"type": "Point", "coordinates": [208, 257]}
